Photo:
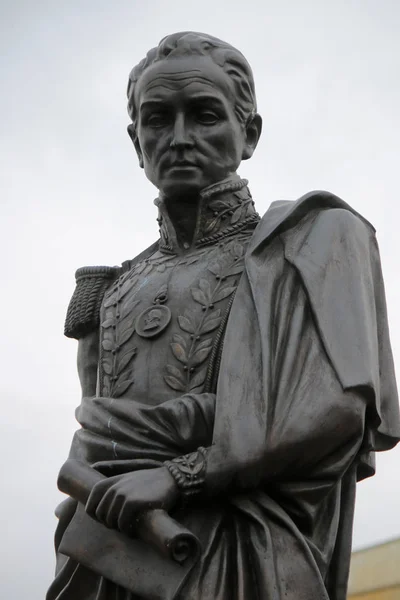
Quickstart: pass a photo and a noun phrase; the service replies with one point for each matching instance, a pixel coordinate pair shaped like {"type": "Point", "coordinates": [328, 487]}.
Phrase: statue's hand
{"type": "Point", "coordinates": [118, 500]}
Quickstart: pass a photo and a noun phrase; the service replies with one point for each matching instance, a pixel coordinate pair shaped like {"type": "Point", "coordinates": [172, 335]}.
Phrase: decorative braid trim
{"type": "Point", "coordinates": [224, 187]}
{"type": "Point", "coordinates": [214, 362]}
{"type": "Point", "coordinates": [189, 471]}
{"type": "Point", "coordinates": [228, 231]}
{"type": "Point", "coordinates": [83, 314]}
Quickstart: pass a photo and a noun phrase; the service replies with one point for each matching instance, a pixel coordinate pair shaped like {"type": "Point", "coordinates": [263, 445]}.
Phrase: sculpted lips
{"type": "Point", "coordinates": [180, 163]}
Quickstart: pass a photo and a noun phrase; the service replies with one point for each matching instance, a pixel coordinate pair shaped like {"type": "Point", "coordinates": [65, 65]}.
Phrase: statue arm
{"type": "Point", "coordinates": [318, 388]}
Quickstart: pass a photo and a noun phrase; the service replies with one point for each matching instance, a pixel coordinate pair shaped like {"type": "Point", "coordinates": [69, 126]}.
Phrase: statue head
{"type": "Point", "coordinates": [153, 319]}
{"type": "Point", "coordinates": [194, 116]}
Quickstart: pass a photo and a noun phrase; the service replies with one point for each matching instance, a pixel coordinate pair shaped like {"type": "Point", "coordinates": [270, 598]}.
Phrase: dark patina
{"type": "Point", "coordinates": [236, 376]}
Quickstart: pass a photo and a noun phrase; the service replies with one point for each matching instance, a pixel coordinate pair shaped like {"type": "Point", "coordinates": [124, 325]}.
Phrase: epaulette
{"type": "Point", "coordinates": [83, 314]}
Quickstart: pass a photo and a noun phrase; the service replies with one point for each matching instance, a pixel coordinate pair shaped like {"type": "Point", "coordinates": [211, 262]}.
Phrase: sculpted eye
{"type": "Point", "coordinates": [207, 117]}
{"type": "Point", "coordinates": [157, 120]}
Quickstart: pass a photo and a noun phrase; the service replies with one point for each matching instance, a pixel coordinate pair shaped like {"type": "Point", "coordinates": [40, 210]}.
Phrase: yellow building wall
{"type": "Point", "coordinates": [388, 594]}
{"type": "Point", "coordinates": [375, 573]}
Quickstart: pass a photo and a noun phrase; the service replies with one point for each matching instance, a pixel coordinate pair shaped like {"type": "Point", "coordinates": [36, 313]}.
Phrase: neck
{"type": "Point", "coordinates": [183, 214]}
{"type": "Point", "coordinates": [218, 211]}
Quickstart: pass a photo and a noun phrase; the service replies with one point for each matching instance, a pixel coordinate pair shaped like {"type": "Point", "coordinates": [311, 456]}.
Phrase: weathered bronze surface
{"type": "Point", "coordinates": [236, 376]}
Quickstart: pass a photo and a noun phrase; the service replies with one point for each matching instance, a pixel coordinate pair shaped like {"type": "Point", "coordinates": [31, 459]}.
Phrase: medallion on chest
{"type": "Point", "coordinates": [154, 319]}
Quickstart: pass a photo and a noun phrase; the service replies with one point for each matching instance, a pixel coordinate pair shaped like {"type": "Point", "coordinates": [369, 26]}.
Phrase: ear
{"type": "Point", "coordinates": [253, 132]}
{"type": "Point", "coordinates": [133, 135]}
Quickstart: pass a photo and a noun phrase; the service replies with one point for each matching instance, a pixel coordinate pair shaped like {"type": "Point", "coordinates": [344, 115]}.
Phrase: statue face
{"type": "Point", "coordinates": [188, 135]}
{"type": "Point", "coordinates": [153, 319]}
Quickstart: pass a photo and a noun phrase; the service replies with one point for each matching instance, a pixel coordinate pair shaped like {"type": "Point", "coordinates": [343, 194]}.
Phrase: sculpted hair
{"type": "Point", "coordinates": [224, 55]}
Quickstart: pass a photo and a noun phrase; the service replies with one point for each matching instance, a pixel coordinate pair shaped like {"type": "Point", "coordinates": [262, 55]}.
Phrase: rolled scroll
{"type": "Point", "coordinates": [153, 526]}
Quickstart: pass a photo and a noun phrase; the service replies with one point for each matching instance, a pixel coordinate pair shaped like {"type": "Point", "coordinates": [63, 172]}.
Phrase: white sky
{"type": "Point", "coordinates": [327, 79]}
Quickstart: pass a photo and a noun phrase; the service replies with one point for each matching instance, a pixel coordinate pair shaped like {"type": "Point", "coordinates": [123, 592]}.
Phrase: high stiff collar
{"type": "Point", "coordinates": [223, 209]}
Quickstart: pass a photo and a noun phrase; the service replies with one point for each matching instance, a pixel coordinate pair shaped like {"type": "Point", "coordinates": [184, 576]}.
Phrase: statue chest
{"type": "Point", "coordinates": [162, 320]}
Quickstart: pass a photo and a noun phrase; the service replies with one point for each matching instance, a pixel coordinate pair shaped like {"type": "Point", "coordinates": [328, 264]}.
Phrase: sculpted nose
{"type": "Point", "coordinates": [181, 137]}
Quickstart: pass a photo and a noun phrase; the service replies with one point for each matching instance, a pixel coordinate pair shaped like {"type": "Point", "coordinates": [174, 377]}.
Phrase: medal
{"type": "Point", "coordinates": [154, 319]}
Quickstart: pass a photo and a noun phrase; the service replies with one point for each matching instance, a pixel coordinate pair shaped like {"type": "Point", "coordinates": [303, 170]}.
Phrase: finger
{"type": "Point", "coordinates": [95, 496]}
{"type": "Point", "coordinates": [128, 518]}
{"type": "Point", "coordinates": [109, 509]}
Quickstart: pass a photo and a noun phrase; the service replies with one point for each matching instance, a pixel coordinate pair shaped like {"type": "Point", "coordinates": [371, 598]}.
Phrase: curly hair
{"type": "Point", "coordinates": [224, 55]}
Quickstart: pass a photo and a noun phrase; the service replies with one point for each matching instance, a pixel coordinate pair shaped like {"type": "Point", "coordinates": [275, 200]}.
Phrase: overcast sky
{"type": "Point", "coordinates": [72, 194]}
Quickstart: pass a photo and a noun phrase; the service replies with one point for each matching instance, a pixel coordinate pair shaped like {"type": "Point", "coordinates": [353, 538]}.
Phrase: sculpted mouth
{"type": "Point", "coordinates": [183, 163]}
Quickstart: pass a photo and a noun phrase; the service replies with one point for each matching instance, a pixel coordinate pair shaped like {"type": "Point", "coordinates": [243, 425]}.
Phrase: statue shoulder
{"type": "Point", "coordinates": [339, 232]}
{"type": "Point", "coordinates": [83, 314]}
{"type": "Point", "coordinates": [316, 212]}
{"type": "Point", "coordinates": [330, 236]}
{"type": "Point", "coordinates": [343, 220]}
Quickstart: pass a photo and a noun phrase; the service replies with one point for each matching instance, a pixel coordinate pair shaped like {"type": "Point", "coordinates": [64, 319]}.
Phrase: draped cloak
{"type": "Point", "coordinates": [306, 394]}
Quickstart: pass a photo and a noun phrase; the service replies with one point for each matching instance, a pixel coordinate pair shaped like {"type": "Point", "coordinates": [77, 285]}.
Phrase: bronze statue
{"type": "Point", "coordinates": [237, 375]}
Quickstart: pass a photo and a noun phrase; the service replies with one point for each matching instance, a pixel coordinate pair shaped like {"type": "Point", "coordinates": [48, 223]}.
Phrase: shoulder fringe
{"type": "Point", "coordinates": [83, 314]}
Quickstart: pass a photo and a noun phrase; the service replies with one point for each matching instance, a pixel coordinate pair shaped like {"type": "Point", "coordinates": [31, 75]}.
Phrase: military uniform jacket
{"type": "Point", "coordinates": [305, 395]}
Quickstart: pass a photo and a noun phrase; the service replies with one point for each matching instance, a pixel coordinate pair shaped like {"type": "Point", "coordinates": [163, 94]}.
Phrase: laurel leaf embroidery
{"type": "Point", "coordinates": [106, 385]}
{"type": "Point", "coordinates": [175, 372]}
{"type": "Point", "coordinates": [204, 344]}
{"type": "Point", "coordinates": [212, 225]}
{"type": "Point", "coordinates": [211, 325]}
{"type": "Point", "coordinates": [126, 287]}
{"type": "Point", "coordinates": [185, 324]}
{"type": "Point", "coordinates": [236, 215]}
{"type": "Point", "coordinates": [213, 315]}
{"type": "Point", "coordinates": [107, 345]}
{"type": "Point", "coordinates": [199, 356]}
{"type": "Point", "coordinates": [249, 210]}
{"type": "Point", "coordinates": [110, 300]}
{"type": "Point", "coordinates": [179, 352]}
{"type": "Point", "coordinates": [126, 334]}
{"type": "Point", "coordinates": [237, 269]}
{"type": "Point", "coordinates": [198, 379]}
{"type": "Point", "coordinates": [128, 306]}
{"type": "Point", "coordinates": [215, 268]}
{"type": "Point", "coordinates": [122, 387]}
{"type": "Point", "coordinates": [191, 316]}
{"type": "Point", "coordinates": [238, 250]}
{"type": "Point", "coordinates": [204, 285]}
{"type": "Point", "coordinates": [212, 321]}
{"type": "Point", "coordinates": [179, 340]}
{"type": "Point", "coordinates": [199, 296]}
{"type": "Point", "coordinates": [107, 323]}
{"type": "Point", "coordinates": [218, 205]}
{"type": "Point", "coordinates": [223, 293]}
{"type": "Point", "coordinates": [191, 261]}
{"type": "Point", "coordinates": [125, 360]}
{"type": "Point", "coordinates": [107, 367]}
{"type": "Point", "coordinates": [174, 383]}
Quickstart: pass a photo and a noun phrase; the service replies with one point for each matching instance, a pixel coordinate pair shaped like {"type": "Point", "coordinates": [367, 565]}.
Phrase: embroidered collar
{"type": "Point", "coordinates": [224, 208]}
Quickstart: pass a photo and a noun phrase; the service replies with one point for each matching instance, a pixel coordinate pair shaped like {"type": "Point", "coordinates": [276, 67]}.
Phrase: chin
{"type": "Point", "coordinates": [181, 188]}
